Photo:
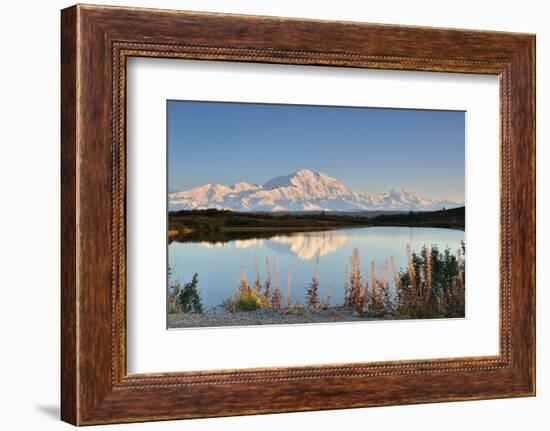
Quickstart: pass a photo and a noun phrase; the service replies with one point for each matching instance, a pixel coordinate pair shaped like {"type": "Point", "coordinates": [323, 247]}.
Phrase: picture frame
{"type": "Point", "coordinates": [96, 42]}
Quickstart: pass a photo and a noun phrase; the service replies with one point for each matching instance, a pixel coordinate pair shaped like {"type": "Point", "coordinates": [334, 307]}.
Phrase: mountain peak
{"type": "Point", "coordinates": [292, 179]}
{"type": "Point", "coordinates": [305, 173]}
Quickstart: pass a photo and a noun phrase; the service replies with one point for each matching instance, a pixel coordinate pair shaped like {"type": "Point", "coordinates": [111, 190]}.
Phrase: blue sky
{"type": "Point", "coordinates": [369, 149]}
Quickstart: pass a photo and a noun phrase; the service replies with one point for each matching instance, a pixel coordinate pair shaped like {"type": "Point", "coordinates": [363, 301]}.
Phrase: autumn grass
{"type": "Point", "coordinates": [430, 286]}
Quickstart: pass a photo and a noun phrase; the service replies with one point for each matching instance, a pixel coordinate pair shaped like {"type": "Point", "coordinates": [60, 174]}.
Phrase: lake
{"type": "Point", "coordinates": [218, 264]}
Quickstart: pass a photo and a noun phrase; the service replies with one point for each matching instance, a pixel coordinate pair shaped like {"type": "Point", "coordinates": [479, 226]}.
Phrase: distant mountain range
{"type": "Point", "coordinates": [304, 190]}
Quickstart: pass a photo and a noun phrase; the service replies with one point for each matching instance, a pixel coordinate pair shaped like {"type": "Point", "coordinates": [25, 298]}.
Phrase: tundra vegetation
{"type": "Point", "coordinates": [431, 285]}
{"type": "Point", "coordinates": [225, 225]}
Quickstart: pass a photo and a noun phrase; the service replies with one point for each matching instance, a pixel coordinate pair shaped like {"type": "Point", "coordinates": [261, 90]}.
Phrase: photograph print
{"type": "Point", "coordinates": [299, 214]}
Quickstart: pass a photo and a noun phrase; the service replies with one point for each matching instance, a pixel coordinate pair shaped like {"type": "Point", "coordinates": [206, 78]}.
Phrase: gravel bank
{"type": "Point", "coordinates": [264, 316]}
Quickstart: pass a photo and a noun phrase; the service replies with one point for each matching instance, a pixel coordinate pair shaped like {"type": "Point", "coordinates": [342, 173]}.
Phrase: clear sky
{"type": "Point", "coordinates": [369, 149]}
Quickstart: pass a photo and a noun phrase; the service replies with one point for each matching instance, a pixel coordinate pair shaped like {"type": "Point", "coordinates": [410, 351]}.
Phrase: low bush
{"type": "Point", "coordinates": [248, 302]}
{"type": "Point", "coordinates": [245, 301]}
{"type": "Point", "coordinates": [189, 300]}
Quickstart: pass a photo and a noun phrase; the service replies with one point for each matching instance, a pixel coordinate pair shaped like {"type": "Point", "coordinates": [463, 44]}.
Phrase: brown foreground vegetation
{"type": "Point", "coordinates": [430, 286]}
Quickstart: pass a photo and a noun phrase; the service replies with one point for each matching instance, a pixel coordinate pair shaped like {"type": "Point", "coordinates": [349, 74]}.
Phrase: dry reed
{"type": "Point", "coordinates": [312, 291]}
{"type": "Point", "coordinates": [356, 288]}
{"type": "Point", "coordinates": [277, 294]}
{"type": "Point", "coordinates": [267, 284]}
{"type": "Point", "coordinates": [258, 279]}
{"type": "Point", "coordinates": [244, 287]}
{"type": "Point", "coordinates": [289, 288]}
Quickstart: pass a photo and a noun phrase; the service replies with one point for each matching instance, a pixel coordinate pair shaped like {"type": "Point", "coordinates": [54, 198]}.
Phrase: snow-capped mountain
{"type": "Point", "coordinates": [304, 190]}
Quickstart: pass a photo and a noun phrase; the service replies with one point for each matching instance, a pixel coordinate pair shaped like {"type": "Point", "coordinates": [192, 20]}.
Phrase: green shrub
{"type": "Point", "coordinates": [189, 300]}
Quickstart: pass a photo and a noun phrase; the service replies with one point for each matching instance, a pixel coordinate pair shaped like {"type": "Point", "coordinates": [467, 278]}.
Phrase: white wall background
{"type": "Point", "coordinates": [29, 224]}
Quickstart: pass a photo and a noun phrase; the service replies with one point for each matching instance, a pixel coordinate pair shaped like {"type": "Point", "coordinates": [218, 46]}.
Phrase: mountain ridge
{"type": "Point", "coordinates": [303, 190]}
